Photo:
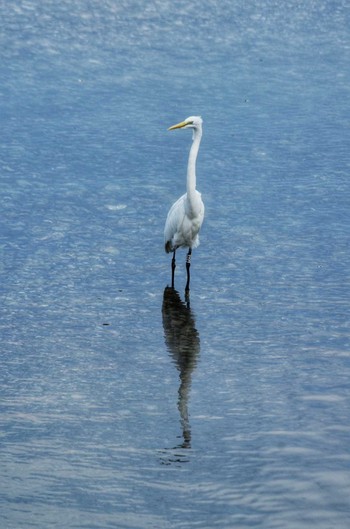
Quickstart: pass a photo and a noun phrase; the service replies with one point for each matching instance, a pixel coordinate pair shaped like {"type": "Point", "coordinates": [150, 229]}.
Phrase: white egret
{"type": "Point", "coordinates": [186, 215]}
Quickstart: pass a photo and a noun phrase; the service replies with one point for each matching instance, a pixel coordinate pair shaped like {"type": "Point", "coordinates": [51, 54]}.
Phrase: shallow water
{"type": "Point", "coordinates": [122, 403]}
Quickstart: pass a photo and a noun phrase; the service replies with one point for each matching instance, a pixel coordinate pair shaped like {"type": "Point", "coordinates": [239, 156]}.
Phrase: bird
{"type": "Point", "coordinates": [186, 215]}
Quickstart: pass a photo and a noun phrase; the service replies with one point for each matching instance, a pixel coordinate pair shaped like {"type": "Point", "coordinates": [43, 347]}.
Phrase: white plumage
{"type": "Point", "coordinates": [186, 215]}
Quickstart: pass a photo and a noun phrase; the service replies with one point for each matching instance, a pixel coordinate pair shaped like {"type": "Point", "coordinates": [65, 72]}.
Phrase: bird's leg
{"type": "Point", "coordinates": [173, 266]}
{"type": "Point", "coordinates": [188, 264]}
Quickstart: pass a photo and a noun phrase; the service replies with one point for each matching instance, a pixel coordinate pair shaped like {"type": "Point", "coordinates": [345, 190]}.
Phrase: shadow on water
{"type": "Point", "coordinates": [183, 343]}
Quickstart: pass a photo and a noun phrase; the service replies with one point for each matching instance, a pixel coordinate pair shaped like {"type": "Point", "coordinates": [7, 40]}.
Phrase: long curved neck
{"type": "Point", "coordinates": [191, 167]}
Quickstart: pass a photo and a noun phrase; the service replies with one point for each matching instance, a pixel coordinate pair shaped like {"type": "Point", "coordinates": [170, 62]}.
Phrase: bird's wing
{"type": "Point", "coordinates": [175, 218]}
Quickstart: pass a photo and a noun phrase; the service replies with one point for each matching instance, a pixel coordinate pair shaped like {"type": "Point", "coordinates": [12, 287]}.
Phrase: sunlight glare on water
{"type": "Point", "coordinates": [124, 404]}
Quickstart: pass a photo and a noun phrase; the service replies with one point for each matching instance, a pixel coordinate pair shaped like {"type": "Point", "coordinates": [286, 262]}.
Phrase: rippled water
{"type": "Point", "coordinates": [123, 404]}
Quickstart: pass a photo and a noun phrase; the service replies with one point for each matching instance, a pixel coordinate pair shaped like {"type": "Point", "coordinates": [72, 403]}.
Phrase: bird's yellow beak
{"type": "Point", "coordinates": [178, 126]}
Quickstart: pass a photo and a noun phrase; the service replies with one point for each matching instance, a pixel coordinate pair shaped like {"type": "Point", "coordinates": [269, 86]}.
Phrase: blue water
{"type": "Point", "coordinates": [122, 404]}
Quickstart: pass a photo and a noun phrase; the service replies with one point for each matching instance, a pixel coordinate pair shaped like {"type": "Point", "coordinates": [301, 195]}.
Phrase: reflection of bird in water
{"type": "Point", "coordinates": [186, 215]}
{"type": "Point", "coordinates": [182, 341]}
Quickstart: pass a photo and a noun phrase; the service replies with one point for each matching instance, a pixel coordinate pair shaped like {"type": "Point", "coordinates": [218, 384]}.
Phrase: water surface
{"type": "Point", "coordinates": [123, 404]}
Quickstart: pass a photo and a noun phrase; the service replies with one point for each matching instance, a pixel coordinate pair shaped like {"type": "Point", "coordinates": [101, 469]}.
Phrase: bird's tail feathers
{"type": "Point", "coordinates": [168, 247]}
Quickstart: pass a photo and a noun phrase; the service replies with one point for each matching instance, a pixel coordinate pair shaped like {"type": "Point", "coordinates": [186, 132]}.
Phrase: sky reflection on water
{"type": "Point", "coordinates": [122, 405]}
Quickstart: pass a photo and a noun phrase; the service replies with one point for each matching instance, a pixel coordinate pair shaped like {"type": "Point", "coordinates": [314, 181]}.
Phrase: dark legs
{"type": "Point", "coordinates": [173, 266]}
{"type": "Point", "coordinates": [188, 264]}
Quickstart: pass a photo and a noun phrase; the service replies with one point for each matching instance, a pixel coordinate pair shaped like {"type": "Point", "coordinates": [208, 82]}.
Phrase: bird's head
{"type": "Point", "coordinates": [193, 122]}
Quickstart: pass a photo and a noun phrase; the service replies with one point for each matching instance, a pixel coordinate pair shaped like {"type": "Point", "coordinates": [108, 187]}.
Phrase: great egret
{"type": "Point", "coordinates": [186, 215]}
